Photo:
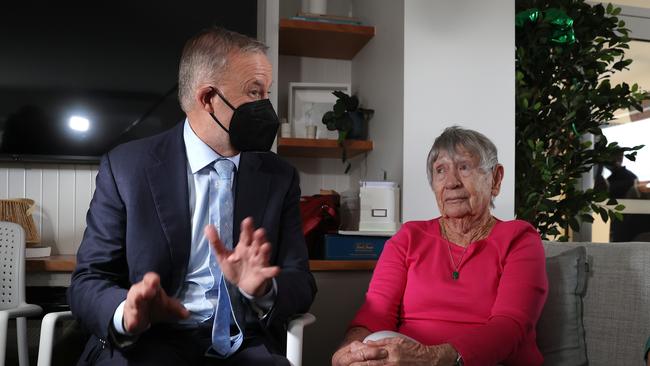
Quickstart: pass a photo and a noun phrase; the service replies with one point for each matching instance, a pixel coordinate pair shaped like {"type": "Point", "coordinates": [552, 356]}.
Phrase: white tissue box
{"type": "Point", "coordinates": [379, 205]}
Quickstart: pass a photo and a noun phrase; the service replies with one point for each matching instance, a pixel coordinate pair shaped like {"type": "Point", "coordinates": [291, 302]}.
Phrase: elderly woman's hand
{"type": "Point", "coordinates": [404, 352]}
{"type": "Point", "coordinates": [357, 353]}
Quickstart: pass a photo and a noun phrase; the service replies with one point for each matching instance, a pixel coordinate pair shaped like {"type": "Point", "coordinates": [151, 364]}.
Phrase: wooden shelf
{"type": "Point", "coordinates": [67, 263]}
{"type": "Point", "coordinates": [55, 263]}
{"type": "Point", "coordinates": [326, 40]}
{"type": "Point", "coordinates": [321, 148]}
{"type": "Point", "coordinates": [322, 265]}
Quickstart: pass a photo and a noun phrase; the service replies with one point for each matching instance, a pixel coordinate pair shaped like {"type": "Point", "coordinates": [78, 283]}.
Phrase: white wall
{"type": "Point", "coordinates": [638, 72]}
{"type": "Point", "coordinates": [638, 21]}
{"type": "Point", "coordinates": [458, 69]}
{"type": "Point", "coordinates": [636, 15]}
{"type": "Point", "coordinates": [378, 79]}
{"type": "Point", "coordinates": [62, 194]}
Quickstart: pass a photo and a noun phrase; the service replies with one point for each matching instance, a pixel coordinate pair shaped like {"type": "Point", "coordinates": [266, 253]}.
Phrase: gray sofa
{"type": "Point", "coordinates": [615, 303]}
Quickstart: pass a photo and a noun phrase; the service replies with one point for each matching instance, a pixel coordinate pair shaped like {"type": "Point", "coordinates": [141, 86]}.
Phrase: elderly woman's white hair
{"type": "Point", "coordinates": [474, 142]}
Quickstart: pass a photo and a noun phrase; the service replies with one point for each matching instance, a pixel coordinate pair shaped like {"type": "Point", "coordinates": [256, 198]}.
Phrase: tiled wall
{"type": "Point", "coordinates": [62, 194]}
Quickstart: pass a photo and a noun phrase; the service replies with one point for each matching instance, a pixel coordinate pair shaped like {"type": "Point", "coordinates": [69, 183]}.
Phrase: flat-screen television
{"type": "Point", "coordinates": [78, 78]}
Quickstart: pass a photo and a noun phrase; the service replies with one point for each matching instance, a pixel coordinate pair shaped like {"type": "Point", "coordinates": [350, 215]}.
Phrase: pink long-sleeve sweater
{"type": "Point", "coordinates": [488, 314]}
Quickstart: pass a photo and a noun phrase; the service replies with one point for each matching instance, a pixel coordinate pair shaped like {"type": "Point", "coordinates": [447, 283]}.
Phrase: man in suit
{"type": "Point", "coordinates": [166, 275]}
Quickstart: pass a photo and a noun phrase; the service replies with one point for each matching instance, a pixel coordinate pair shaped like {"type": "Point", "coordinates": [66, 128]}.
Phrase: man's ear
{"type": "Point", "coordinates": [497, 178]}
{"type": "Point", "coordinates": [204, 97]}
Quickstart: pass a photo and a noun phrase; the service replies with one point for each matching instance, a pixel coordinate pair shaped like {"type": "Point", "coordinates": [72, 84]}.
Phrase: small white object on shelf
{"type": "Point", "coordinates": [37, 252]}
{"type": "Point", "coordinates": [285, 128]}
{"type": "Point", "coordinates": [379, 204]}
{"type": "Point", "coordinates": [311, 132]}
{"type": "Point", "coordinates": [314, 6]}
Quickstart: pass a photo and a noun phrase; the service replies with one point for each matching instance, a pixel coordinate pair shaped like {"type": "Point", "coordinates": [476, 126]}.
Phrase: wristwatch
{"type": "Point", "coordinates": [459, 361]}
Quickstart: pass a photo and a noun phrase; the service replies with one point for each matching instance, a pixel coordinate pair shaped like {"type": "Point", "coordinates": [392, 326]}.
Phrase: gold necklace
{"type": "Point", "coordinates": [480, 234]}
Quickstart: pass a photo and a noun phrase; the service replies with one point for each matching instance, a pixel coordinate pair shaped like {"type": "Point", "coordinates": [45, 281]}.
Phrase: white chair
{"type": "Point", "coordinates": [12, 289]}
{"type": "Point", "coordinates": [46, 342]}
{"type": "Point", "coordinates": [294, 336]}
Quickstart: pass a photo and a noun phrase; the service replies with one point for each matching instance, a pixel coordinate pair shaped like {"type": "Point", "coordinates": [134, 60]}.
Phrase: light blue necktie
{"type": "Point", "coordinates": [221, 216]}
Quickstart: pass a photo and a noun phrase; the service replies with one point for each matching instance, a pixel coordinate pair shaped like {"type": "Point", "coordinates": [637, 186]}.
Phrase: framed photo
{"type": "Point", "coordinates": [308, 102]}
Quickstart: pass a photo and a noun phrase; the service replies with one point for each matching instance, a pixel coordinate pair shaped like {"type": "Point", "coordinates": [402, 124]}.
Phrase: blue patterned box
{"type": "Point", "coordinates": [350, 247]}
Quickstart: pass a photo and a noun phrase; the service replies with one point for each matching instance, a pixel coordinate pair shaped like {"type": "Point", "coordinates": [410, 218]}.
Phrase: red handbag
{"type": "Point", "coordinates": [320, 215]}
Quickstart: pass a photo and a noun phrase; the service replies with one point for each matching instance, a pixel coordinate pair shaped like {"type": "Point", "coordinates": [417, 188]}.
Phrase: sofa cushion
{"type": "Point", "coordinates": [560, 330]}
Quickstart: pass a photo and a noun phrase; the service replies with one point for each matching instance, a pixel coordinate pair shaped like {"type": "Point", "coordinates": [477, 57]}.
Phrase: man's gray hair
{"type": "Point", "coordinates": [474, 142]}
{"type": "Point", "coordinates": [205, 58]}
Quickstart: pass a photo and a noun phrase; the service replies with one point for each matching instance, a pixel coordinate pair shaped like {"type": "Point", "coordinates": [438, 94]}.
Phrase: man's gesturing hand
{"type": "Point", "coordinates": [247, 265]}
{"type": "Point", "coordinates": [147, 303]}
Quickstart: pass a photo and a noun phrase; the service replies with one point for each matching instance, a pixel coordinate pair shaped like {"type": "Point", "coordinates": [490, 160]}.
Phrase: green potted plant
{"type": "Point", "coordinates": [349, 119]}
{"type": "Point", "coordinates": [566, 51]}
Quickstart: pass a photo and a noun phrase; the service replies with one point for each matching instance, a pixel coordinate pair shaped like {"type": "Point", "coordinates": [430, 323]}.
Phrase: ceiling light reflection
{"type": "Point", "coordinates": [78, 123]}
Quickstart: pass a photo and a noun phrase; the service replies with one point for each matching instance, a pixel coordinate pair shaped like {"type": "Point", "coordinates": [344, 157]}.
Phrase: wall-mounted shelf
{"type": "Point", "coordinates": [66, 263]}
{"type": "Point", "coordinates": [326, 40]}
{"type": "Point", "coordinates": [355, 265]}
{"type": "Point", "coordinates": [55, 263]}
{"type": "Point", "coordinates": [321, 148]}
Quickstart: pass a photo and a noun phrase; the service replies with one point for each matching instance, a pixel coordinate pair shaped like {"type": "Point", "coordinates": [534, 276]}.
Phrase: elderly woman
{"type": "Point", "coordinates": [462, 289]}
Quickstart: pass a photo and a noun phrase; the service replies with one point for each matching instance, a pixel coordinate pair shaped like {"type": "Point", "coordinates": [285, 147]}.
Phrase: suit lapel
{"type": "Point", "coordinates": [252, 190]}
{"type": "Point", "coordinates": [168, 183]}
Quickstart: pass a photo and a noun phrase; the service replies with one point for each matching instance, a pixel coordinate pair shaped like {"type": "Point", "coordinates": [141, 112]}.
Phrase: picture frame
{"type": "Point", "coordinates": [308, 102]}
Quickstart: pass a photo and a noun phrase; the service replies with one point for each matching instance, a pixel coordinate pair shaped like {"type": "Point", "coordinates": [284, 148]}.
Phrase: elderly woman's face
{"type": "Point", "coordinates": [461, 187]}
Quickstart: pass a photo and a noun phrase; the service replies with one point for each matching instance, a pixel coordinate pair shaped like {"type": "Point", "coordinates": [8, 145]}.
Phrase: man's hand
{"type": "Point", "coordinates": [405, 352]}
{"type": "Point", "coordinates": [147, 303]}
{"type": "Point", "coordinates": [247, 265]}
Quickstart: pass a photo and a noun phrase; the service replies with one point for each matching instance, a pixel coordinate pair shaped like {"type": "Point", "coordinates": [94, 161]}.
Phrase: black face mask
{"type": "Point", "coordinates": [253, 125]}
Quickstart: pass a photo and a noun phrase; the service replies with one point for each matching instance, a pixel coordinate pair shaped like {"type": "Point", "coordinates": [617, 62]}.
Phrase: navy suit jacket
{"type": "Point", "coordinates": [139, 221]}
